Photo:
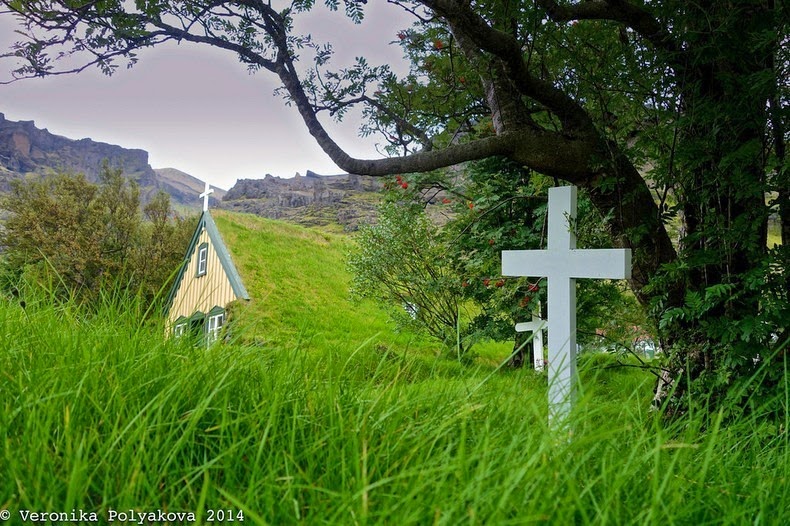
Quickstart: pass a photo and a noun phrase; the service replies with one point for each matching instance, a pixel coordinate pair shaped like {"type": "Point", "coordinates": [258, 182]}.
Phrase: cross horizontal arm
{"type": "Point", "coordinates": [526, 263]}
{"type": "Point", "coordinates": [613, 263]}
{"type": "Point", "coordinates": [530, 326]}
{"type": "Point", "coordinates": [605, 263]}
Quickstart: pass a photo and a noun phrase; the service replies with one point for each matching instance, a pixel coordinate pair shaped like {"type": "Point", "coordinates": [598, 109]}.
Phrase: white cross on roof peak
{"type": "Point", "coordinates": [205, 195]}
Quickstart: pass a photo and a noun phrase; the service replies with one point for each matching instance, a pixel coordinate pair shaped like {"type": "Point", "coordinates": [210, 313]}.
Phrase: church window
{"type": "Point", "coordinates": [216, 319]}
{"type": "Point", "coordinates": [202, 263]}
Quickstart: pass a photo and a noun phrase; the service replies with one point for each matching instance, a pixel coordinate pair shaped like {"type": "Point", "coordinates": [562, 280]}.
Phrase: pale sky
{"type": "Point", "coordinates": [197, 109]}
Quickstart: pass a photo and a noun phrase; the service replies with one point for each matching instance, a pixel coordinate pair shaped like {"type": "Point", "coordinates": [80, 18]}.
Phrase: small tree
{"type": "Point", "coordinates": [163, 239]}
{"type": "Point", "coordinates": [495, 205]}
{"type": "Point", "coordinates": [90, 236]}
{"type": "Point", "coordinates": [403, 262]}
{"type": "Point", "coordinates": [118, 207]}
{"type": "Point", "coordinates": [54, 226]}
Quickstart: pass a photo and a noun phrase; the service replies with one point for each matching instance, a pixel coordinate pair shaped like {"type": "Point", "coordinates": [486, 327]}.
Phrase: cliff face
{"type": "Point", "coordinates": [312, 199]}
{"type": "Point", "coordinates": [26, 150]}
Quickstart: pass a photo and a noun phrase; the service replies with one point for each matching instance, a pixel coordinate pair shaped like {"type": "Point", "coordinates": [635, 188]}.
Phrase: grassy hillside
{"type": "Point", "coordinates": [319, 414]}
{"type": "Point", "coordinates": [299, 285]}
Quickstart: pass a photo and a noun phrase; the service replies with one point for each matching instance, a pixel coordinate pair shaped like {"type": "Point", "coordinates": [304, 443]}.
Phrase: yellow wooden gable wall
{"type": "Point", "coordinates": [201, 293]}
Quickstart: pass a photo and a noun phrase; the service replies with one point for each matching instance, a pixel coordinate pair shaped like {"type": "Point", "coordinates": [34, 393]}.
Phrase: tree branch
{"type": "Point", "coordinates": [621, 11]}
{"type": "Point", "coordinates": [405, 125]}
{"type": "Point", "coordinates": [503, 45]}
{"type": "Point", "coordinates": [548, 152]}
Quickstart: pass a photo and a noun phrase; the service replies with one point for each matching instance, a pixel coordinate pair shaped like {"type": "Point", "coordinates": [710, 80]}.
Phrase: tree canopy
{"type": "Point", "coordinates": [671, 115]}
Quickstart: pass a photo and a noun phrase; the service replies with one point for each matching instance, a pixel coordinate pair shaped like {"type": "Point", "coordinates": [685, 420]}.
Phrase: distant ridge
{"type": "Point", "coordinates": [344, 200]}
{"type": "Point", "coordinates": [26, 150]}
{"type": "Point", "coordinates": [341, 201]}
{"type": "Point", "coordinates": [185, 188]}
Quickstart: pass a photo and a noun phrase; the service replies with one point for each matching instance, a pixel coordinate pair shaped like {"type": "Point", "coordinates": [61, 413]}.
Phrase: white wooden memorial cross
{"type": "Point", "coordinates": [562, 263]}
{"type": "Point", "coordinates": [205, 195]}
{"type": "Point", "coordinates": [535, 326]}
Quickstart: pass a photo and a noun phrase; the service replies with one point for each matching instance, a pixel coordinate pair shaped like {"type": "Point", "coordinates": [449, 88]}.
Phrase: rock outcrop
{"type": "Point", "coordinates": [312, 199]}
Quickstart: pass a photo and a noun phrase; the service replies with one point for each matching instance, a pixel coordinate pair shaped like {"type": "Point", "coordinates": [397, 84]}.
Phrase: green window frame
{"type": "Point", "coordinates": [180, 326]}
{"type": "Point", "coordinates": [202, 260]}
{"type": "Point", "coordinates": [215, 319]}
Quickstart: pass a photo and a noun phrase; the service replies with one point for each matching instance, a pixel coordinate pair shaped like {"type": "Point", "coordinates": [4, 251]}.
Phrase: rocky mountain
{"type": "Point", "coordinates": [312, 199]}
{"type": "Point", "coordinates": [26, 150]}
{"type": "Point", "coordinates": [184, 189]}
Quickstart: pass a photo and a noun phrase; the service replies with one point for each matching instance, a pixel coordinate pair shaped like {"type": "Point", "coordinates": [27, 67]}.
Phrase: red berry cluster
{"type": "Point", "coordinates": [534, 288]}
{"type": "Point", "coordinates": [498, 283]}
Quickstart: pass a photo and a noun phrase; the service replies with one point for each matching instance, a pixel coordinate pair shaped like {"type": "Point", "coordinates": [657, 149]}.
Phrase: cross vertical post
{"type": "Point", "coordinates": [205, 195]}
{"type": "Point", "coordinates": [562, 264]}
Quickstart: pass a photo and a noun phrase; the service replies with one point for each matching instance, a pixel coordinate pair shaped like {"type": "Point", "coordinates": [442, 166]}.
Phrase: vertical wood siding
{"type": "Point", "coordinates": [204, 292]}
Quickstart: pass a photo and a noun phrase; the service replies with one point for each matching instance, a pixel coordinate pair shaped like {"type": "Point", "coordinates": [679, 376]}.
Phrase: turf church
{"type": "Point", "coordinates": [207, 282]}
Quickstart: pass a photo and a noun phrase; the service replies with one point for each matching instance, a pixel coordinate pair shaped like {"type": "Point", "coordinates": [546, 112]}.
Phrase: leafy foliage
{"type": "Point", "coordinates": [77, 237]}
{"type": "Point", "coordinates": [443, 233]}
{"type": "Point", "coordinates": [509, 213]}
{"type": "Point", "coordinates": [402, 261]}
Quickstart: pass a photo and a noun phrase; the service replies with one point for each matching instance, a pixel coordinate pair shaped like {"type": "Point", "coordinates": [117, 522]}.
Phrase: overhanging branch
{"type": "Point", "coordinates": [506, 47]}
{"type": "Point", "coordinates": [620, 11]}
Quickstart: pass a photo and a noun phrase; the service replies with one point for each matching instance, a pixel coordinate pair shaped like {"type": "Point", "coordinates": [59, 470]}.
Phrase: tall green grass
{"type": "Point", "coordinates": [98, 412]}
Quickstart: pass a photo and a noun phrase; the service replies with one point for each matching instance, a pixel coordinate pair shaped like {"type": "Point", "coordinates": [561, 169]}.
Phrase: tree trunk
{"type": "Point", "coordinates": [636, 223]}
{"type": "Point", "coordinates": [781, 173]}
{"type": "Point", "coordinates": [523, 351]}
{"type": "Point", "coordinates": [722, 188]}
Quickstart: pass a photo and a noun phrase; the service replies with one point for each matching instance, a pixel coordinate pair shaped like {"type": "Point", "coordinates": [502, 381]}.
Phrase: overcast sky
{"type": "Point", "coordinates": [197, 109]}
